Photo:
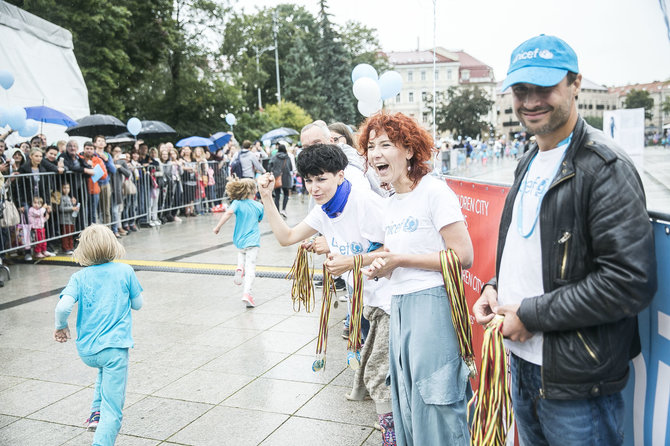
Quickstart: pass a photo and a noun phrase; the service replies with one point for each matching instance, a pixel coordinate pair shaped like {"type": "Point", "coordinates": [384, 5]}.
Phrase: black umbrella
{"type": "Point", "coordinates": [155, 129]}
{"type": "Point", "coordinates": [97, 125]}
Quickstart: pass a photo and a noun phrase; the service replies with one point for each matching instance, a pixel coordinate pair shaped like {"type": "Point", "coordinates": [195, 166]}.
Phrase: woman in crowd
{"type": "Point", "coordinates": [175, 191]}
{"type": "Point", "coordinates": [122, 173]}
{"type": "Point", "coordinates": [189, 181]}
{"type": "Point", "coordinates": [130, 201]}
{"type": "Point", "coordinates": [429, 379]}
{"type": "Point", "coordinates": [155, 171]}
{"type": "Point", "coordinates": [280, 166]}
{"type": "Point", "coordinates": [202, 179]}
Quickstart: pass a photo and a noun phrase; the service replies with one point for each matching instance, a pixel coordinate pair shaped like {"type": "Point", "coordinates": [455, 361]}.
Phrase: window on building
{"type": "Point", "coordinates": [580, 106]}
{"type": "Point", "coordinates": [397, 98]}
{"type": "Point", "coordinates": [437, 74]}
{"type": "Point", "coordinates": [590, 106]}
{"type": "Point", "coordinates": [410, 76]}
{"type": "Point", "coordinates": [423, 75]}
{"type": "Point", "coordinates": [448, 74]}
{"type": "Point", "coordinates": [508, 111]}
{"type": "Point", "coordinates": [600, 107]}
{"type": "Point", "coordinates": [465, 75]}
{"type": "Point", "coordinates": [424, 96]}
{"type": "Point", "coordinates": [425, 116]}
{"type": "Point", "coordinates": [410, 97]}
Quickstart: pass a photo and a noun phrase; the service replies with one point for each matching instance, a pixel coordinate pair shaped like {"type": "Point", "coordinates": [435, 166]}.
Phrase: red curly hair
{"type": "Point", "coordinates": [402, 131]}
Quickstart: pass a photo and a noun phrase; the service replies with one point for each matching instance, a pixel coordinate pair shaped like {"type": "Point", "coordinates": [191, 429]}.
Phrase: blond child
{"type": "Point", "coordinates": [106, 292]}
{"type": "Point", "coordinates": [38, 214]}
{"type": "Point", "coordinates": [247, 236]}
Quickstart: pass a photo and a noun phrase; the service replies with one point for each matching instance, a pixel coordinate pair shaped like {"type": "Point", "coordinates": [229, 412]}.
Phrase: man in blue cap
{"type": "Point", "coordinates": [575, 260]}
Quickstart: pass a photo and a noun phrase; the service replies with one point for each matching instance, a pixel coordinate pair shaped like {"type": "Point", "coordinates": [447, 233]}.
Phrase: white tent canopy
{"type": "Point", "coordinates": [40, 56]}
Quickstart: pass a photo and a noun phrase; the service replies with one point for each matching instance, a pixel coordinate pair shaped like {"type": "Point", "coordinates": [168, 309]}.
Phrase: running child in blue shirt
{"type": "Point", "coordinates": [247, 235]}
{"type": "Point", "coordinates": [105, 292]}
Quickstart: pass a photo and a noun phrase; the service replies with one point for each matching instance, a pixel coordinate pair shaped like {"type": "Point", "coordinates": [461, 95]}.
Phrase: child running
{"type": "Point", "coordinates": [247, 235]}
{"type": "Point", "coordinates": [348, 216]}
{"type": "Point", "coordinates": [106, 292]}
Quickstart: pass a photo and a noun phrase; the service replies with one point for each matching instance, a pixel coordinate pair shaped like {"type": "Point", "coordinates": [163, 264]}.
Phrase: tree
{"type": "Point", "coordinates": [640, 99]}
{"type": "Point", "coordinates": [301, 82]}
{"type": "Point", "coordinates": [595, 121]}
{"type": "Point", "coordinates": [287, 114]}
{"type": "Point", "coordinates": [665, 107]}
{"type": "Point", "coordinates": [461, 111]}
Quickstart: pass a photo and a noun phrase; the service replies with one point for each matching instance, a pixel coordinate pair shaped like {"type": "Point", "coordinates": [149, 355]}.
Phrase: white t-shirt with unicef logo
{"type": "Point", "coordinates": [412, 226]}
{"type": "Point", "coordinates": [352, 232]}
{"type": "Point", "coordinates": [520, 274]}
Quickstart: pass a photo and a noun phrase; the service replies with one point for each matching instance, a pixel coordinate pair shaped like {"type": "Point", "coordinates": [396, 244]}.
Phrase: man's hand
{"type": "Point", "coordinates": [512, 328]}
{"type": "Point", "coordinates": [337, 264]}
{"type": "Point", "coordinates": [485, 308]}
{"type": "Point", "coordinates": [62, 335]}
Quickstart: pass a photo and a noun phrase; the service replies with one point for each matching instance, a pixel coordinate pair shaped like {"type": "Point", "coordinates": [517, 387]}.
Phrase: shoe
{"type": "Point", "coordinates": [133, 228]}
{"type": "Point", "coordinates": [28, 258]}
{"type": "Point", "coordinates": [40, 255]}
{"type": "Point", "coordinates": [249, 300]}
{"type": "Point", "coordinates": [152, 224]}
{"type": "Point", "coordinates": [177, 219]}
{"type": "Point", "coordinates": [69, 252]}
{"type": "Point", "coordinates": [123, 231]}
{"type": "Point", "coordinates": [157, 222]}
{"type": "Point", "coordinates": [343, 298]}
{"type": "Point", "coordinates": [49, 254]}
{"type": "Point", "coordinates": [93, 420]}
{"type": "Point", "coordinates": [345, 332]}
{"type": "Point", "coordinates": [283, 213]}
{"type": "Point", "coordinates": [318, 284]}
{"type": "Point", "coordinates": [117, 235]}
{"type": "Point", "coordinates": [340, 284]}
{"type": "Point", "coordinates": [239, 273]}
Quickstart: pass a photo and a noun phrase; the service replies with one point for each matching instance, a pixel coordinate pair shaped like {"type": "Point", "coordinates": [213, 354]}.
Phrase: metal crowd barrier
{"type": "Point", "coordinates": [156, 193]}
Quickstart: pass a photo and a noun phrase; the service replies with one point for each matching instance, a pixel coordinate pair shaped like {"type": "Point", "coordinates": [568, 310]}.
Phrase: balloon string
{"type": "Point", "coordinates": [493, 415]}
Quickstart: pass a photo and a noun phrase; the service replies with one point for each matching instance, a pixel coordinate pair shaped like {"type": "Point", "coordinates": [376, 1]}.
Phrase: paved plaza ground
{"type": "Point", "coordinates": [205, 370]}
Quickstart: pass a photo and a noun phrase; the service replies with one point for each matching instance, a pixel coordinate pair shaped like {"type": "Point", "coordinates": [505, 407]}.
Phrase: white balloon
{"type": "Point", "coordinates": [367, 90]}
{"type": "Point", "coordinates": [363, 70]}
{"type": "Point", "coordinates": [390, 84]}
{"type": "Point", "coordinates": [134, 126]}
{"type": "Point", "coordinates": [230, 119]}
{"type": "Point", "coordinates": [368, 109]}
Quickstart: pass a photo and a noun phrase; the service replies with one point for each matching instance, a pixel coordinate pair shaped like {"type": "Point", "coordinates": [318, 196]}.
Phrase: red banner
{"type": "Point", "coordinates": [482, 206]}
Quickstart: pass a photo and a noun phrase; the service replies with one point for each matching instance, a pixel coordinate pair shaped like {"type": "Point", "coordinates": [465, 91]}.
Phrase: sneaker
{"type": "Point", "coordinates": [49, 254]}
{"type": "Point", "coordinates": [157, 222]}
{"type": "Point", "coordinates": [133, 228]}
{"type": "Point", "coordinates": [69, 253]}
{"type": "Point", "coordinates": [318, 284]}
{"type": "Point", "coordinates": [177, 219]}
{"type": "Point", "coordinates": [345, 332]}
{"type": "Point", "coordinates": [343, 298]}
{"type": "Point", "coordinates": [152, 224]}
{"type": "Point", "coordinates": [249, 300]}
{"type": "Point", "coordinates": [123, 231]}
{"type": "Point", "coordinates": [239, 273]}
{"type": "Point", "coordinates": [39, 255]}
{"type": "Point", "coordinates": [93, 420]}
{"type": "Point", "coordinates": [117, 235]}
{"type": "Point", "coordinates": [28, 258]}
{"type": "Point", "coordinates": [340, 284]}
{"type": "Point", "coordinates": [283, 213]}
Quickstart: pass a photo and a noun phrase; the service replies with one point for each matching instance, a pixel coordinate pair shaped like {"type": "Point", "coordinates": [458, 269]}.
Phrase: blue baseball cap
{"type": "Point", "coordinates": [542, 60]}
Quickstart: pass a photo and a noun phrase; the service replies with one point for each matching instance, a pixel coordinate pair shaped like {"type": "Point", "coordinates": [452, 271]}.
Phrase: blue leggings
{"type": "Point", "coordinates": [110, 392]}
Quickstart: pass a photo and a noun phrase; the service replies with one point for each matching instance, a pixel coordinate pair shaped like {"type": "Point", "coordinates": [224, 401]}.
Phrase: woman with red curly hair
{"type": "Point", "coordinates": [429, 379]}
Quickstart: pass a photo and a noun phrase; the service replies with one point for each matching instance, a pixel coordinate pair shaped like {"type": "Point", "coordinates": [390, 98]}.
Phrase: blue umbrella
{"type": "Point", "coordinates": [194, 141]}
{"type": "Point", "coordinates": [220, 139]}
{"type": "Point", "coordinates": [278, 133]}
{"type": "Point", "coordinates": [44, 114]}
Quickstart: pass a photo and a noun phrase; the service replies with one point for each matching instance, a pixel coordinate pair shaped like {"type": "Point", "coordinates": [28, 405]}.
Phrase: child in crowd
{"type": "Point", "coordinates": [69, 209]}
{"type": "Point", "coordinates": [106, 293]}
{"type": "Point", "coordinates": [348, 216]}
{"type": "Point", "coordinates": [247, 235]}
{"type": "Point", "coordinates": [38, 214]}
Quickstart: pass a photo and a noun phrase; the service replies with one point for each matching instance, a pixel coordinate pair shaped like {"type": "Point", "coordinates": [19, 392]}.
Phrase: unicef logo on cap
{"type": "Point", "coordinates": [546, 54]}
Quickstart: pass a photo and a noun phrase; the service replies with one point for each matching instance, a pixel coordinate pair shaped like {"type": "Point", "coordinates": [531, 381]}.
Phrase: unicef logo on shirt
{"type": "Point", "coordinates": [411, 224]}
{"type": "Point", "coordinates": [356, 248]}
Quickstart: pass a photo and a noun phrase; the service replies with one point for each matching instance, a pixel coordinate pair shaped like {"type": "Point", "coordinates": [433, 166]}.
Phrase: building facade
{"type": "Point", "coordinates": [659, 92]}
{"type": "Point", "coordinates": [452, 69]}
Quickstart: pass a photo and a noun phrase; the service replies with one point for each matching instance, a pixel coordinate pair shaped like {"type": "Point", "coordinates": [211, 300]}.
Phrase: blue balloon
{"type": "Point", "coordinates": [390, 84]}
{"type": "Point", "coordinates": [134, 126]}
{"type": "Point", "coordinates": [6, 79]}
{"type": "Point", "coordinates": [29, 128]}
{"type": "Point", "coordinates": [363, 70]}
{"type": "Point", "coordinates": [16, 117]}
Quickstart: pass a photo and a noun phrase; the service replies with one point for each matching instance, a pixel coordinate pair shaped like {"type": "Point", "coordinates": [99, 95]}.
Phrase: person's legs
{"type": "Point", "coordinates": [106, 203]}
{"type": "Point", "coordinates": [285, 202]}
{"type": "Point", "coordinates": [276, 193]}
{"type": "Point", "coordinates": [94, 199]}
{"type": "Point", "coordinates": [594, 421]}
{"type": "Point", "coordinates": [113, 366]}
{"type": "Point", "coordinates": [239, 272]}
{"type": "Point", "coordinates": [250, 268]}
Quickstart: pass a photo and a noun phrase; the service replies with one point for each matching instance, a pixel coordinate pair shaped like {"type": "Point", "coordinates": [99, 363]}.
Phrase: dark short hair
{"type": "Point", "coordinates": [321, 158]}
{"type": "Point", "coordinates": [571, 77]}
{"type": "Point", "coordinates": [246, 144]}
{"type": "Point", "coordinates": [89, 144]}
{"type": "Point", "coordinates": [95, 138]}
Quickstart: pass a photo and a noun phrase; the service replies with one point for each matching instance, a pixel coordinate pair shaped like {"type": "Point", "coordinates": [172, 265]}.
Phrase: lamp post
{"type": "Point", "coordinates": [258, 53]}
{"type": "Point", "coordinates": [275, 27]}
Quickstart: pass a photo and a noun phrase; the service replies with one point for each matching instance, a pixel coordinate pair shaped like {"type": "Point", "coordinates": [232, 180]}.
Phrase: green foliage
{"type": "Point", "coordinates": [287, 114]}
{"type": "Point", "coordinates": [665, 107]}
{"type": "Point", "coordinates": [640, 99]}
{"type": "Point", "coordinates": [461, 111]}
{"type": "Point", "coordinates": [595, 121]}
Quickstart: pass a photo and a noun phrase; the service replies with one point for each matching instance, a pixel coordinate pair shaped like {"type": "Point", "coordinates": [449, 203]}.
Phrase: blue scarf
{"type": "Point", "coordinates": [335, 205]}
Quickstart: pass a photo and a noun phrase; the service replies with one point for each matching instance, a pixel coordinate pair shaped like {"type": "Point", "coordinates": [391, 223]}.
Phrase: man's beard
{"type": "Point", "coordinates": [558, 117]}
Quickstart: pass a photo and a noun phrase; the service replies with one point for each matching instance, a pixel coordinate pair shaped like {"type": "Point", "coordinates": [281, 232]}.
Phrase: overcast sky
{"type": "Point", "coordinates": [617, 41]}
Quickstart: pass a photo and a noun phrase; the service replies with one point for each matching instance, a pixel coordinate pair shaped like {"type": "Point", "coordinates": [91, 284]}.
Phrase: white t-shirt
{"type": "Point", "coordinates": [352, 232]}
{"type": "Point", "coordinates": [412, 226]}
{"type": "Point", "coordinates": [520, 274]}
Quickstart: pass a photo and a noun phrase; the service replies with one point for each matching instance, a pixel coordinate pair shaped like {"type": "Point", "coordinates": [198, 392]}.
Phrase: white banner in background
{"type": "Point", "coordinates": [626, 128]}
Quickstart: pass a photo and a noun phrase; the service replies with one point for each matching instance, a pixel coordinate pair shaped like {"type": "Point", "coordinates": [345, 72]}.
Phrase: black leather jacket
{"type": "Point", "coordinates": [599, 267]}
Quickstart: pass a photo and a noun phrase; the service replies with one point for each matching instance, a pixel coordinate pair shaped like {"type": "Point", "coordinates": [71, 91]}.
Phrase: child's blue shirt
{"type": "Point", "coordinates": [104, 293]}
{"type": "Point", "coordinates": [248, 213]}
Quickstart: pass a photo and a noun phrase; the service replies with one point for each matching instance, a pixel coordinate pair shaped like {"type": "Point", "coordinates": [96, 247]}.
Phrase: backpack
{"type": "Point", "coordinates": [236, 167]}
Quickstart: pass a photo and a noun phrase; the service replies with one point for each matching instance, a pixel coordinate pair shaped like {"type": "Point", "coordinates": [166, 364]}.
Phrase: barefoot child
{"type": "Point", "coordinates": [348, 216]}
{"type": "Point", "coordinates": [247, 235]}
{"type": "Point", "coordinates": [106, 292]}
